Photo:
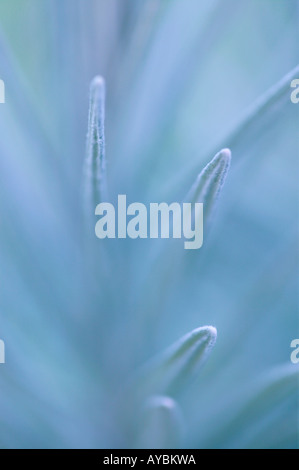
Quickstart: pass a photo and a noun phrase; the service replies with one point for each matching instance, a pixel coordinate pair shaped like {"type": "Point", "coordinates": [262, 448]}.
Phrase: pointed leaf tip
{"type": "Point", "coordinates": [98, 81]}
{"type": "Point", "coordinates": [174, 368]}
{"type": "Point", "coordinates": [210, 181]}
{"type": "Point", "coordinates": [161, 424]}
{"type": "Point", "coordinates": [97, 94]}
{"type": "Point", "coordinates": [225, 155]}
{"type": "Point", "coordinates": [184, 359]}
{"type": "Point", "coordinates": [205, 337]}
{"type": "Point", "coordinates": [171, 371]}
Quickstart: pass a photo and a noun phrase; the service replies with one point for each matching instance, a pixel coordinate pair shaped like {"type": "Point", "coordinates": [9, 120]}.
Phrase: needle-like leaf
{"type": "Point", "coordinates": [279, 386]}
{"type": "Point", "coordinates": [210, 181]}
{"type": "Point", "coordinates": [253, 122]}
{"type": "Point", "coordinates": [169, 373]}
{"type": "Point", "coordinates": [166, 263]}
{"type": "Point", "coordinates": [95, 184]}
{"type": "Point", "coordinates": [161, 424]}
{"type": "Point", "coordinates": [175, 368]}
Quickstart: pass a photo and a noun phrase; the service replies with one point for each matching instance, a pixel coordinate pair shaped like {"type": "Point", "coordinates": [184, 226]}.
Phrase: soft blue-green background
{"type": "Point", "coordinates": [179, 76]}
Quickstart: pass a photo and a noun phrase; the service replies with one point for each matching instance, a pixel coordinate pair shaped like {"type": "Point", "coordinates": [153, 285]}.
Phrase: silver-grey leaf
{"type": "Point", "coordinates": [161, 424]}
{"type": "Point", "coordinates": [95, 183]}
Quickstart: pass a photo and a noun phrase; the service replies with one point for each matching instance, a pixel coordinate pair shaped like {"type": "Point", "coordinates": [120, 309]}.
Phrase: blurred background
{"type": "Point", "coordinates": [181, 76]}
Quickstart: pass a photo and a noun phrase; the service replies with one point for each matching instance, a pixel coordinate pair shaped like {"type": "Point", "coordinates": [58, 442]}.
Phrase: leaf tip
{"type": "Point", "coordinates": [223, 159]}
{"type": "Point", "coordinates": [97, 82]}
{"type": "Point", "coordinates": [226, 154]}
{"type": "Point", "coordinates": [208, 332]}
